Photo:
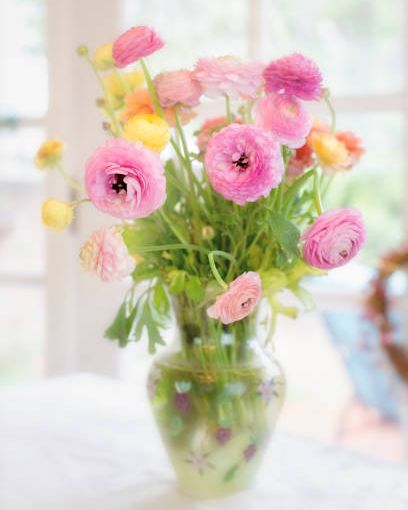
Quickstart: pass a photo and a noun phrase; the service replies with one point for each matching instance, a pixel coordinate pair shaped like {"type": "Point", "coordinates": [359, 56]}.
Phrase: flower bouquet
{"type": "Point", "coordinates": [211, 233]}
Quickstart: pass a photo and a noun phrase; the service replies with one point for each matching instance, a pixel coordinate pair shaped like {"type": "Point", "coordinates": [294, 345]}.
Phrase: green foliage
{"type": "Point", "coordinates": [147, 312]}
{"type": "Point", "coordinates": [286, 234]}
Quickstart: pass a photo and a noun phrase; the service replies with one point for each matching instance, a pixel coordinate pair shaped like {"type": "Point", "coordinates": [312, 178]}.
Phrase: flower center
{"type": "Point", "coordinates": [245, 304]}
{"type": "Point", "coordinates": [343, 254]}
{"type": "Point", "coordinates": [242, 162]}
{"type": "Point", "coordinates": [119, 184]}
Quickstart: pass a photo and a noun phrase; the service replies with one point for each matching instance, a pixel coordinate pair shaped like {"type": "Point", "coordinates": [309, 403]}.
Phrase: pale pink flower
{"type": "Point", "coordinates": [135, 43]}
{"type": "Point", "coordinates": [243, 163]}
{"type": "Point", "coordinates": [228, 76]}
{"type": "Point", "coordinates": [294, 75]}
{"type": "Point", "coordinates": [285, 117]}
{"type": "Point", "coordinates": [334, 238]}
{"type": "Point", "coordinates": [177, 87]}
{"type": "Point", "coordinates": [106, 254]}
{"type": "Point", "coordinates": [239, 300]}
{"type": "Point", "coordinates": [125, 180]}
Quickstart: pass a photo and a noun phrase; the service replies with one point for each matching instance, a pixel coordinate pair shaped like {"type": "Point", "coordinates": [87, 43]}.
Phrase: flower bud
{"type": "Point", "coordinates": [49, 154]}
{"type": "Point", "coordinates": [207, 233]}
{"type": "Point", "coordinates": [57, 214]}
{"type": "Point", "coordinates": [82, 50]}
{"type": "Point", "coordinates": [103, 60]}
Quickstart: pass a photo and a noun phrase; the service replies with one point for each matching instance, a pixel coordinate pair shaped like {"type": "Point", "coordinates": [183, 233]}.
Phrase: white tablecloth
{"type": "Point", "coordinates": [84, 442]}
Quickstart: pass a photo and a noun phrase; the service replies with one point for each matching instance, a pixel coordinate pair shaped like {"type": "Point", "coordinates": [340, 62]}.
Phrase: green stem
{"type": "Point", "coordinates": [75, 203]}
{"type": "Point", "coordinates": [174, 230]}
{"type": "Point", "coordinates": [70, 180]}
{"type": "Point", "coordinates": [152, 90]}
{"type": "Point", "coordinates": [108, 104]}
{"type": "Point", "coordinates": [215, 271]}
{"type": "Point", "coordinates": [326, 98]}
{"type": "Point", "coordinates": [167, 247]}
{"type": "Point", "coordinates": [316, 193]}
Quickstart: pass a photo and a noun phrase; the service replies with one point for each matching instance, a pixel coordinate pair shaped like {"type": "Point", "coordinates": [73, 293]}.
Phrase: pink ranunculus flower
{"type": "Point", "coordinates": [125, 180]}
{"type": "Point", "coordinates": [294, 75]}
{"type": "Point", "coordinates": [177, 87]}
{"type": "Point", "coordinates": [243, 163]}
{"type": "Point", "coordinates": [334, 238]}
{"type": "Point", "coordinates": [228, 76]}
{"type": "Point", "coordinates": [239, 300]}
{"type": "Point", "coordinates": [285, 117]}
{"type": "Point", "coordinates": [106, 254]}
{"type": "Point", "coordinates": [135, 43]}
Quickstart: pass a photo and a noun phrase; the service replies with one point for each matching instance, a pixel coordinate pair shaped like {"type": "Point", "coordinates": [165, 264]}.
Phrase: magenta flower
{"type": "Point", "coordinates": [182, 402]}
{"type": "Point", "coordinates": [243, 163]}
{"type": "Point", "coordinates": [177, 87]}
{"type": "Point", "coordinates": [239, 300]}
{"type": "Point", "coordinates": [334, 238]}
{"type": "Point", "coordinates": [249, 452]}
{"type": "Point", "coordinates": [125, 180]}
{"type": "Point", "coordinates": [106, 254]}
{"type": "Point", "coordinates": [228, 76]}
{"type": "Point", "coordinates": [285, 117]}
{"type": "Point", "coordinates": [135, 43]}
{"type": "Point", "coordinates": [223, 435]}
{"type": "Point", "coordinates": [294, 75]}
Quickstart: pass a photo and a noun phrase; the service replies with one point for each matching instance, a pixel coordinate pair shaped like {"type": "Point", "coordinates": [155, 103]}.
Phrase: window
{"type": "Point", "coordinates": [23, 106]}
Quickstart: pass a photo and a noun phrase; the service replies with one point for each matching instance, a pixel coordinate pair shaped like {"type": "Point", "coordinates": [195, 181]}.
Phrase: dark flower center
{"type": "Point", "coordinates": [119, 183]}
{"type": "Point", "coordinates": [242, 162]}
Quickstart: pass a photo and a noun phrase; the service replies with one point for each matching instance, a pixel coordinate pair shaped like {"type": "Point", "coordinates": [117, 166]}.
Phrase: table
{"type": "Point", "coordinates": [85, 442]}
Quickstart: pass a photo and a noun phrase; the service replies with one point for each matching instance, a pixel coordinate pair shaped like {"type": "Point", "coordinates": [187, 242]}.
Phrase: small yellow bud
{"type": "Point", "coordinates": [149, 129]}
{"type": "Point", "coordinates": [82, 50]}
{"type": "Point", "coordinates": [56, 214]}
{"type": "Point", "coordinates": [103, 60]}
{"type": "Point", "coordinates": [49, 154]}
{"type": "Point", "coordinates": [207, 233]}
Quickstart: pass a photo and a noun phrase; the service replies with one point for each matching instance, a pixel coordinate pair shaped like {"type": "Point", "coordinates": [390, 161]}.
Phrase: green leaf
{"type": "Point", "coordinates": [229, 475]}
{"type": "Point", "coordinates": [117, 330]}
{"type": "Point", "coordinates": [122, 325]}
{"type": "Point", "coordinates": [161, 300]}
{"type": "Point", "coordinates": [194, 288]}
{"type": "Point", "coordinates": [144, 272]}
{"type": "Point", "coordinates": [285, 233]}
{"type": "Point", "coordinates": [140, 235]}
{"type": "Point", "coordinates": [177, 281]}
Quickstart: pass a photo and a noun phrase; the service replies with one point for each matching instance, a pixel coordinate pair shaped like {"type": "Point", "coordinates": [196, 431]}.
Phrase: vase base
{"type": "Point", "coordinates": [207, 494]}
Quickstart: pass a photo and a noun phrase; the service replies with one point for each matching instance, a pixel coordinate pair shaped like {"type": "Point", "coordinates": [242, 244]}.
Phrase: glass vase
{"type": "Point", "coordinates": [216, 395]}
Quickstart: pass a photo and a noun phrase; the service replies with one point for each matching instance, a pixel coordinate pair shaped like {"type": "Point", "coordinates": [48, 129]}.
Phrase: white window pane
{"type": "Point", "coordinates": [376, 184]}
{"type": "Point", "coordinates": [358, 45]}
{"type": "Point", "coordinates": [192, 28]}
{"type": "Point", "coordinates": [21, 188]}
{"type": "Point", "coordinates": [23, 69]}
{"type": "Point", "coordinates": [22, 332]}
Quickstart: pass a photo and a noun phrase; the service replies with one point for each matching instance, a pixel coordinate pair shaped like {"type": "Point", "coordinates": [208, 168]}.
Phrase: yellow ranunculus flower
{"type": "Point", "coordinates": [56, 214]}
{"type": "Point", "coordinates": [330, 152]}
{"type": "Point", "coordinates": [49, 154]}
{"type": "Point", "coordinates": [103, 59]}
{"type": "Point", "coordinates": [117, 85]}
{"type": "Point", "coordinates": [149, 129]}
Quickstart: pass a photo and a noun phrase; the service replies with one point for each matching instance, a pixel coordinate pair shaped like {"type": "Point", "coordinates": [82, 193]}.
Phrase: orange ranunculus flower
{"type": "Point", "coordinates": [354, 145]}
{"type": "Point", "coordinates": [330, 152]}
{"type": "Point", "coordinates": [137, 102]}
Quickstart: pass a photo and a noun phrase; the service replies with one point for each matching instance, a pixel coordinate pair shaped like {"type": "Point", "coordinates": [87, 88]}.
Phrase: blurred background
{"type": "Point", "coordinates": [52, 315]}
